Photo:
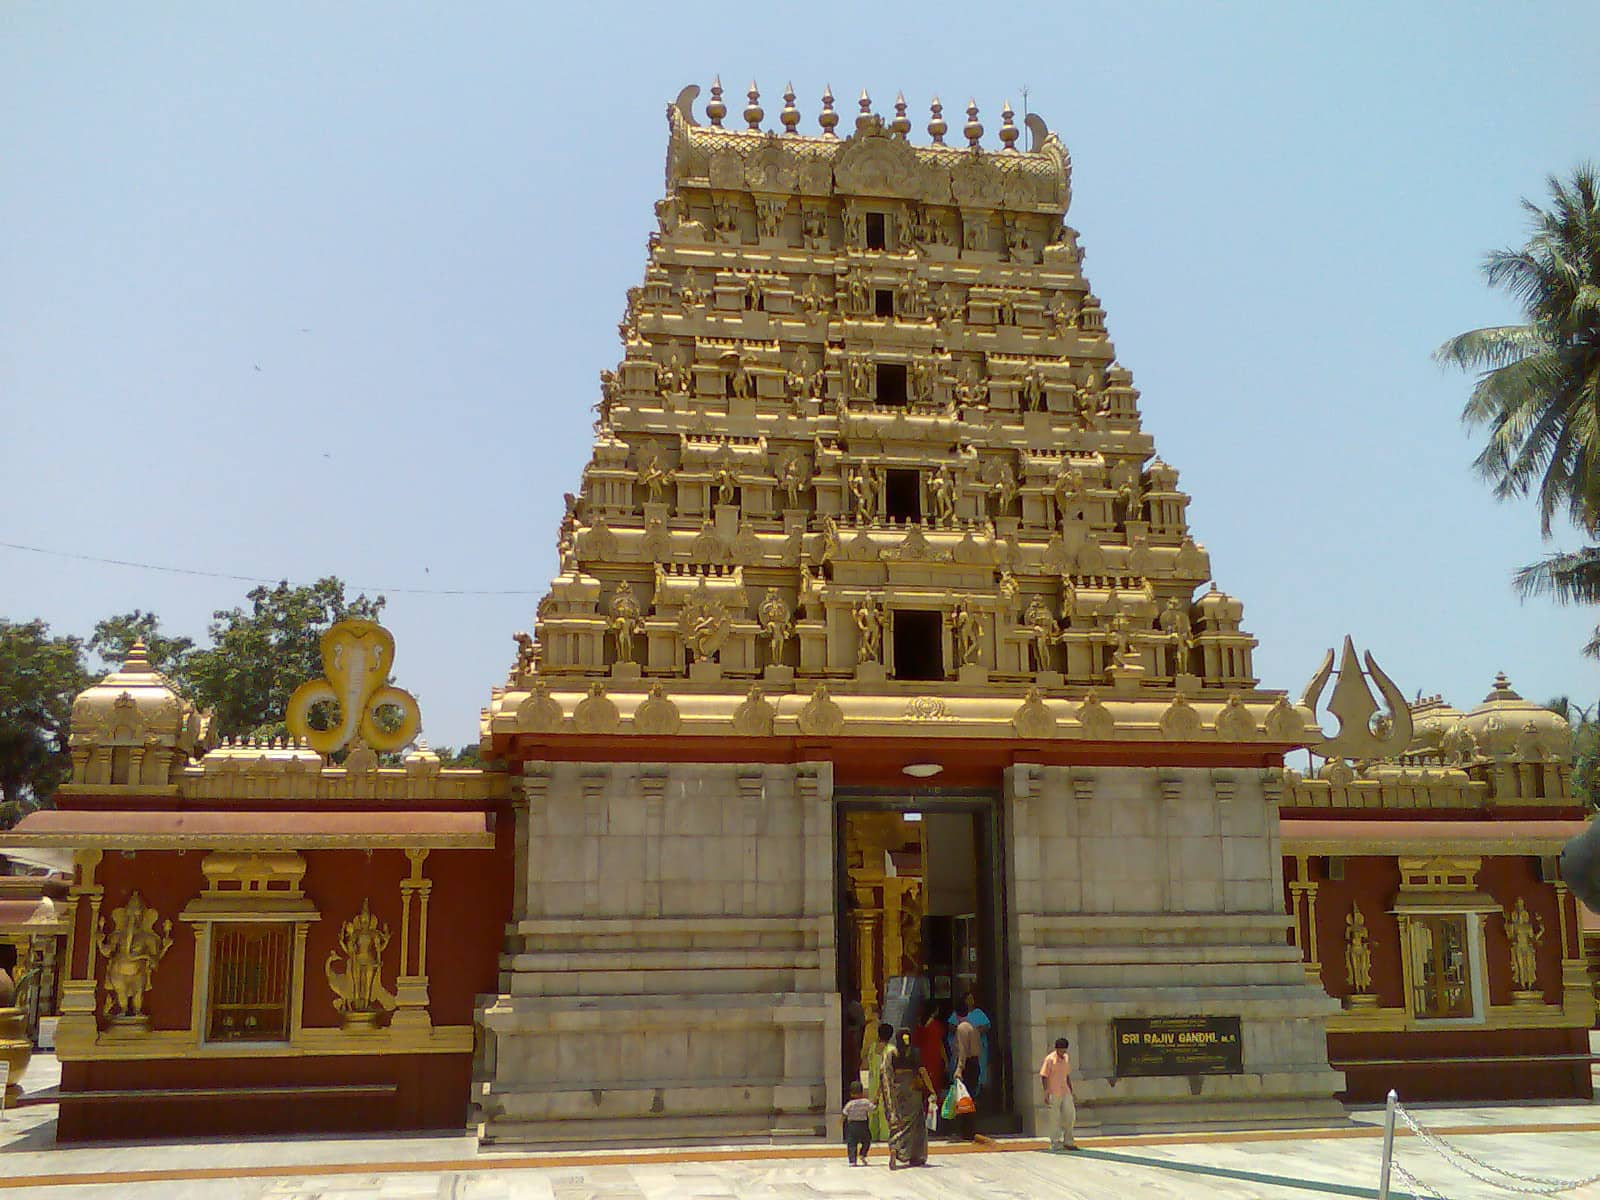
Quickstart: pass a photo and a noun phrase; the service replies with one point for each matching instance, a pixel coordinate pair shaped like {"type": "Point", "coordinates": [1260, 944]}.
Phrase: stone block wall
{"type": "Point", "coordinates": [1149, 892]}
{"type": "Point", "coordinates": [669, 974]}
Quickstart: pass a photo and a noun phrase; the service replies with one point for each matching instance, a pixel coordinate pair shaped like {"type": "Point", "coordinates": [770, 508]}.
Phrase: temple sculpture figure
{"type": "Point", "coordinates": [133, 947]}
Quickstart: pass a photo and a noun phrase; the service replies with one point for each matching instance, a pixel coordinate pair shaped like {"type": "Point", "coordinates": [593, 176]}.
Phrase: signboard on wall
{"type": "Point", "coordinates": [1177, 1046]}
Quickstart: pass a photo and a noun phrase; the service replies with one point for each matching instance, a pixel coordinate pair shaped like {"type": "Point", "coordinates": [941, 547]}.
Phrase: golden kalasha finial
{"type": "Point", "coordinates": [901, 125]}
{"type": "Point", "coordinates": [715, 108]}
{"type": "Point", "coordinates": [864, 117]}
{"type": "Point", "coordinates": [827, 118]}
{"type": "Point", "coordinates": [752, 110]}
{"type": "Point", "coordinates": [973, 129]}
{"type": "Point", "coordinates": [790, 116]}
{"type": "Point", "coordinates": [937, 127]}
{"type": "Point", "coordinates": [1008, 127]}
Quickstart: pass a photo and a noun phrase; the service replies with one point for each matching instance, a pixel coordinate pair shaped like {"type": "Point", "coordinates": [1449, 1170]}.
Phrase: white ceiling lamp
{"type": "Point", "coordinates": [922, 770]}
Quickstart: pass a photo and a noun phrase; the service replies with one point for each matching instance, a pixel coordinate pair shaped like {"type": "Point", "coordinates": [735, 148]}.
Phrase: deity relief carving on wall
{"type": "Point", "coordinates": [357, 984]}
{"type": "Point", "coordinates": [133, 948]}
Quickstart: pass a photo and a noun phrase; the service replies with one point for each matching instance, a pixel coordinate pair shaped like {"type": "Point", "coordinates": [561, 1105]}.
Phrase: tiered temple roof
{"type": "Point", "coordinates": [869, 465]}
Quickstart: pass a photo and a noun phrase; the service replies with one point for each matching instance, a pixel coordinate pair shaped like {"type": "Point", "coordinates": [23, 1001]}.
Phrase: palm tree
{"type": "Point", "coordinates": [1538, 388]}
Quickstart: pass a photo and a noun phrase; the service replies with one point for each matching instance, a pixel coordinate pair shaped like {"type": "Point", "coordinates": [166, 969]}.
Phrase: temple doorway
{"type": "Point", "coordinates": [921, 923]}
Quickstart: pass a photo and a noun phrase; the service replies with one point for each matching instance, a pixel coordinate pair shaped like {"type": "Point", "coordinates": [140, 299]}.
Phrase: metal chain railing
{"type": "Point", "coordinates": [1462, 1160]}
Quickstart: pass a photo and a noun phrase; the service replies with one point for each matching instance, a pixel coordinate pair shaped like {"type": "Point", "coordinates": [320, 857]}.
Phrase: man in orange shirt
{"type": "Point", "coordinates": [1055, 1077]}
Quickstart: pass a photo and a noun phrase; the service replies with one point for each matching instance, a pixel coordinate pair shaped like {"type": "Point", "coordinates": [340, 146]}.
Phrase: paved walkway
{"type": "Point", "coordinates": [1549, 1140]}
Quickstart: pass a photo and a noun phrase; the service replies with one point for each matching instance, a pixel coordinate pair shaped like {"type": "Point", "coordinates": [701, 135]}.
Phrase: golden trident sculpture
{"type": "Point", "coordinates": [1360, 737]}
{"type": "Point", "coordinates": [356, 657]}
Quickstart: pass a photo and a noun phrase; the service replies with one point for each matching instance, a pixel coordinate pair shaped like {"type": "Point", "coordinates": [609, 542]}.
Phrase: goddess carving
{"type": "Point", "coordinates": [1046, 631]}
{"type": "Point", "coordinates": [777, 623]}
{"type": "Point", "coordinates": [626, 620]}
{"type": "Point", "coordinates": [967, 627]}
{"type": "Point", "coordinates": [1525, 933]}
{"type": "Point", "coordinates": [358, 990]}
{"type": "Point", "coordinates": [133, 949]}
{"type": "Point", "coordinates": [1357, 952]}
{"type": "Point", "coordinates": [869, 624]}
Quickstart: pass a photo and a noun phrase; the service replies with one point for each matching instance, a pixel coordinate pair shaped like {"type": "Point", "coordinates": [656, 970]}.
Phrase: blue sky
{"type": "Point", "coordinates": [419, 223]}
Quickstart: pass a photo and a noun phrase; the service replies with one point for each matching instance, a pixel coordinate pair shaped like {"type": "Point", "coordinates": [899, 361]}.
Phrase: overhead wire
{"type": "Point", "coordinates": [270, 582]}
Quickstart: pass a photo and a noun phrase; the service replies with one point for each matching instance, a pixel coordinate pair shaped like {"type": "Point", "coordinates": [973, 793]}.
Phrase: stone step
{"type": "Point", "coordinates": [650, 1131]}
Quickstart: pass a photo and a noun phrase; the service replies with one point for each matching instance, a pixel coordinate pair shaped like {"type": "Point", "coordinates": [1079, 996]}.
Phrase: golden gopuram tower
{"type": "Point", "coordinates": [881, 662]}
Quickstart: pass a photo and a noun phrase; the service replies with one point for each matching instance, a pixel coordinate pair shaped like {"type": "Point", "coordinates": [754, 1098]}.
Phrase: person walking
{"type": "Point", "coordinates": [969, 1050]}
{"type": "Point", "coordinates": [857, 1127]}
{"type": "Point", "coordinates": [1055, 1078]}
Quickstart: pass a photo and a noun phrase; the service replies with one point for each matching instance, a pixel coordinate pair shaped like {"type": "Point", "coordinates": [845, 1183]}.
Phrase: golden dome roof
{"type": "Point", "coordinates": [138, 708]}
{"type": "Point", "coordinates": [1507, 726]}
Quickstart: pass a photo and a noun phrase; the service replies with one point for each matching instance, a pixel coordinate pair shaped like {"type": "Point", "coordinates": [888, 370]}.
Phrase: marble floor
{"type": "Point", "coordinates": [1546, 1140]}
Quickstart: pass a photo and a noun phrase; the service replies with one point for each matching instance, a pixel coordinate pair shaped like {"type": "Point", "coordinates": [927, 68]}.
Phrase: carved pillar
{"type": "Point", "coordinates": [654, 790]}
{"type": "Point", "coordinates": [1304, 894]}
{"type": "Point", "coordinates": [536, 798]}
{"type": "Point", "coordinates": [593, 788]}
{"type": "Point", "coordinates": [411, 982]}
{"type": "Point", "coordinates": [751, 791]}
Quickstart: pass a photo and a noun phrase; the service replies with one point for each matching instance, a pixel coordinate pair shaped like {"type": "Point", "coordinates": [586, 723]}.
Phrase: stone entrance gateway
{"type": "Point", "coordinates": [921, 896]}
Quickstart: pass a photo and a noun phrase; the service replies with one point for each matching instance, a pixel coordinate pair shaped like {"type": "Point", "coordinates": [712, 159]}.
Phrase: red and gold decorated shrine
{"type": "Point", "coordinates": [257, 939]}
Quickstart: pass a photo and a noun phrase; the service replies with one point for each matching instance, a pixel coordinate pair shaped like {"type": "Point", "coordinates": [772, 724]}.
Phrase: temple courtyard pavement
{"type": "Point", "coordinates": [1546, 1140]}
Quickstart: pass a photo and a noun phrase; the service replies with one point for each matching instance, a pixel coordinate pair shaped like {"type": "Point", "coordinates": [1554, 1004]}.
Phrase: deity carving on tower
{"type": "Point", "coordinates": [777, 624]}
{"type": "Point", "coordinates": [626, 620]}
{"type": "Point", "coordinates": [966, 627]}
{"type": "Point", "coordinates": [869, 628]}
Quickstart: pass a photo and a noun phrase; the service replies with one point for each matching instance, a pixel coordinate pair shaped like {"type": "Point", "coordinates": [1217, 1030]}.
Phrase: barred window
{"type": "Point", "coordinates": [250, 970]}
{"type": "Point", "coordinates": [1441, 984]}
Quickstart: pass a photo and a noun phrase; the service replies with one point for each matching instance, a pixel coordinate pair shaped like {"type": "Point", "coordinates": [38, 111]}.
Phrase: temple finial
{"type": "Point", "coordinates": [1008, 127]}
{"type": "Point", "coordinates": [937, 127]}
{"type": "Point", "coordinates": [753, 112]}
{"type": "Point", "coordinates": [790, 116]}
{"type": "Point", "coordinates": [715, 108]}
{"type": "Point", "coordinates": [827, 118]}
{"type": "Point", "coordinates": [973, 129]}
{"type": "Point", "coordinates": [901, 125]}
{"type": "Point", "coordinates": [864, 117]}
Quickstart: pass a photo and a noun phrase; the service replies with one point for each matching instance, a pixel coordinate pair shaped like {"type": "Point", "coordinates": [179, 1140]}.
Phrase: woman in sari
{"type": "Point", "coordinates": [878, 1124]}
{"type": "Point", "coordinates": [929, 1040]}
{"type": "Point", "coordinates": [903, 1091]}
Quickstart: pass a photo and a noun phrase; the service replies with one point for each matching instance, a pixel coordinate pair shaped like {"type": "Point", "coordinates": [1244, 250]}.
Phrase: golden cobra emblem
{"type": "Point", "coordinates": [356, 657]}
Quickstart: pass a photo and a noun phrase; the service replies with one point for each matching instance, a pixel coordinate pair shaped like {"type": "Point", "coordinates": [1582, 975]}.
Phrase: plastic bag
{"type": "Point", "coordinates": [964, 1101]}
{"type": "Point", "coordinates": [948, 1109]}
{"type": "Point", "coordinates": [933, 1113]}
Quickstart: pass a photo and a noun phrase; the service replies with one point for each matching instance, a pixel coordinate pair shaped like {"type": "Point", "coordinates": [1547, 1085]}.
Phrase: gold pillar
{"type": "Point", "coordinates": [411, 983]}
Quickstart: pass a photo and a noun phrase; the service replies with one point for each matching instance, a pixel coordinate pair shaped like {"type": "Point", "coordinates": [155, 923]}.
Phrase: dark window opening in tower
{"type": "Point", "coordinates": [918, 644]}
{"type": "Point", "coordinates": [877, 230]}
{"type": "Point", "coordinates": [902, 495]}
{"type": "Point", "coordinates": [891, 383]}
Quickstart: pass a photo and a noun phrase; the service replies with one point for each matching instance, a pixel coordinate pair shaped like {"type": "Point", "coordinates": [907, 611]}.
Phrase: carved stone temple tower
{"type": "Point", "coordinates": [878, 649]}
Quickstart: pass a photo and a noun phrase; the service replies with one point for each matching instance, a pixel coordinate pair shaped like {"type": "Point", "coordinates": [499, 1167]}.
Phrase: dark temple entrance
{"type": "Point", "coordinates": [921, 925]}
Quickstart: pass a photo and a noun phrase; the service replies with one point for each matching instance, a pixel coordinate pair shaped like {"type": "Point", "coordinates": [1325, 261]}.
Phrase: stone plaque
{"type": "Point", "coordinates": [1177, 1046]}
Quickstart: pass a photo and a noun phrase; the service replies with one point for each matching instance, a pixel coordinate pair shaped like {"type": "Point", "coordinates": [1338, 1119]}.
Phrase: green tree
{"type": "Point", "coordinates": [39, 676]}
{"type": "Point", "coordinates": [1538, 387]}
{"type": "Point", "coordinates": [260, 654]}
{"type": "Point", "coordinates": [466, 756]}
{"type": "Point", "coordinates": [1585, 747]}
{"type": "Point", "coordinates": [114, 637]}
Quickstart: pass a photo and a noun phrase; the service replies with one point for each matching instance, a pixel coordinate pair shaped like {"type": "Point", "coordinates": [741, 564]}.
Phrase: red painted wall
{"type": "Point", "coordinates": [1420, 1079]}
{"type": "Point", "coordinates": [421, 1091]}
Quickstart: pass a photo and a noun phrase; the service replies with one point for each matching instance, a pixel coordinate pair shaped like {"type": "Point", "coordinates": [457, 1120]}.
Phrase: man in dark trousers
{"type": "Point", "coordinates": [969, 1047]}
